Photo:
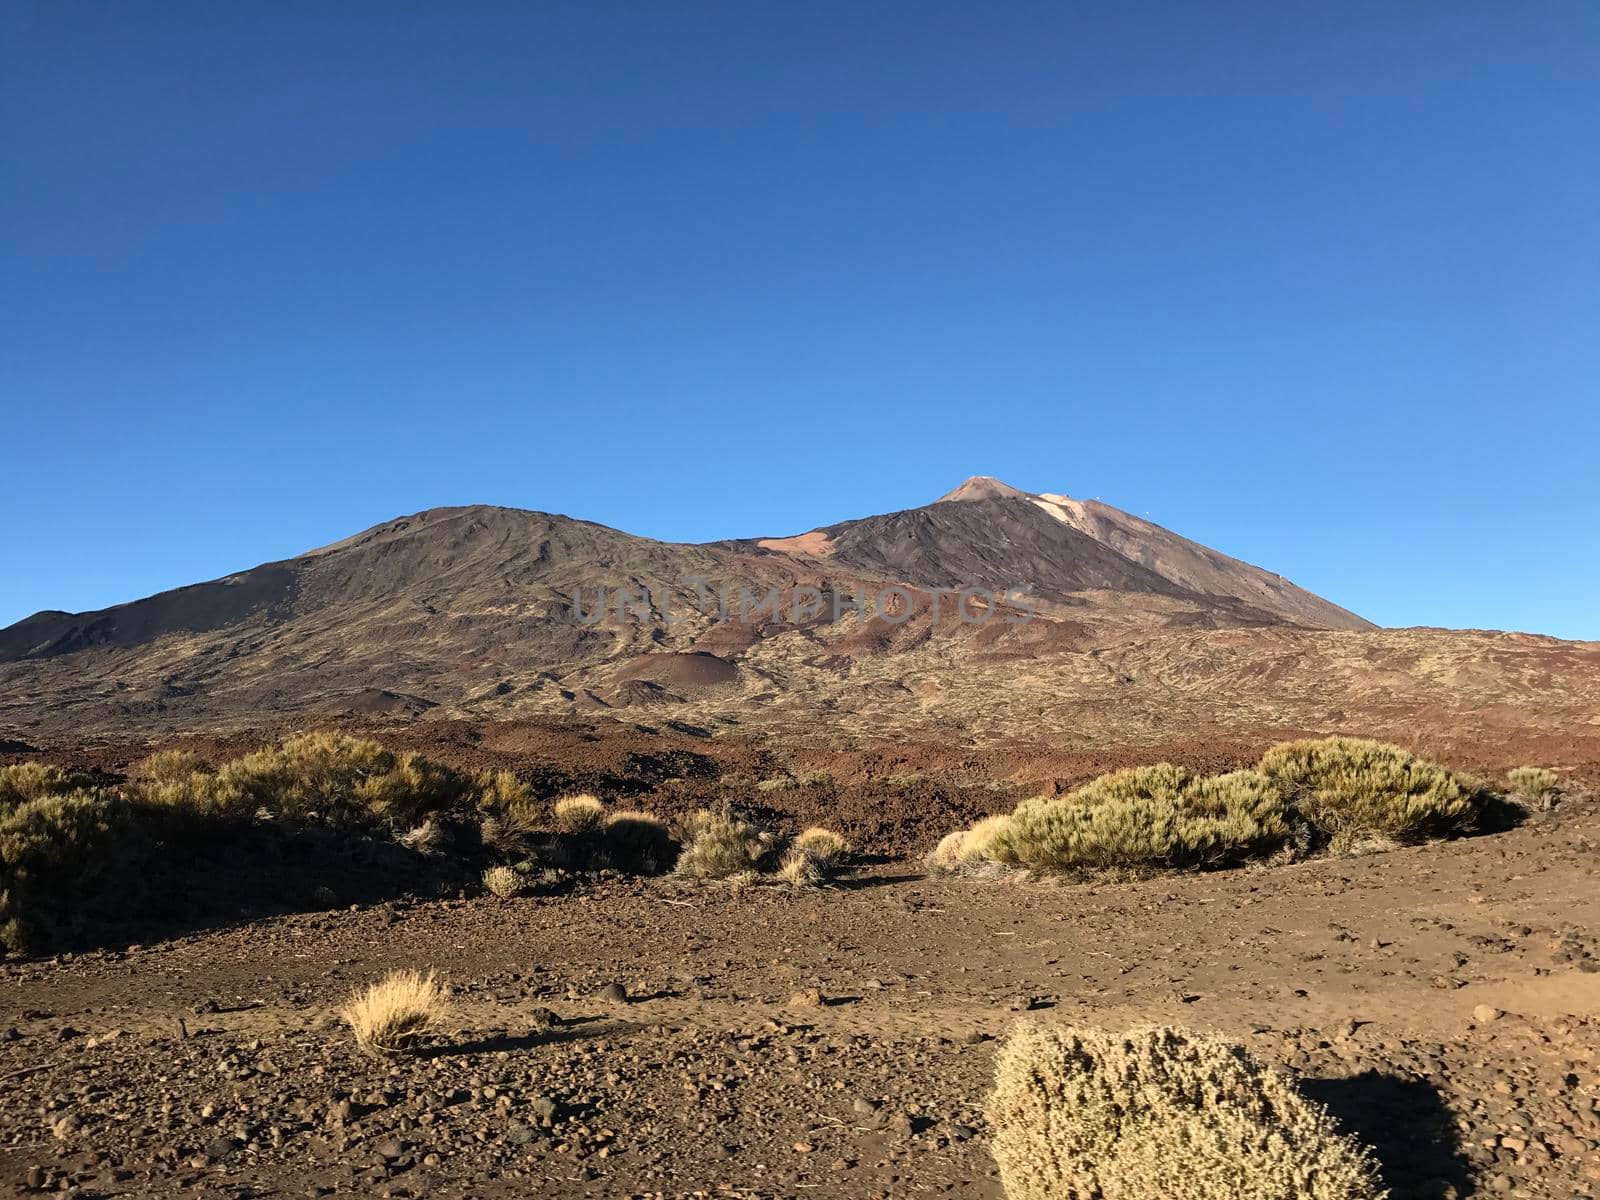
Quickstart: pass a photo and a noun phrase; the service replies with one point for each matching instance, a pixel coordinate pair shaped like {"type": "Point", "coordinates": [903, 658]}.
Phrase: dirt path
{"type": "Point", "coordinates": [721, 1074]}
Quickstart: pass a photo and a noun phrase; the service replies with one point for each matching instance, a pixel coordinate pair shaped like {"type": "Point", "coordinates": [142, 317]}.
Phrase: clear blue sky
{"type": "Point", "coordinates": [1316, 284]}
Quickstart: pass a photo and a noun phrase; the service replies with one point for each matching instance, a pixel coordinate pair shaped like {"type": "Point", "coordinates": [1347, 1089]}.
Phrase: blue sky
{"type": "Point", "coordinates": [1318, 285]}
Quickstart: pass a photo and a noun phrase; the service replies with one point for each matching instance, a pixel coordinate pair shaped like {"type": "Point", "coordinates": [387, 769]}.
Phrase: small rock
{"type": "Point", "coordinates": [220, 1147]}
{"type": "Point", "coordinates": [614, 993]}
{"type": "Point", "coordinates": [1484, 1013]}
{"type": "Point", "coordinates": [806, 998]}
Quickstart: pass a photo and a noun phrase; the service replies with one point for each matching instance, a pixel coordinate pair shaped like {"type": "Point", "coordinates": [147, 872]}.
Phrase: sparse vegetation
{"type": "Point", "coordinates": [1358, 794]}
{"type": "Point", "coordinates": [502, 881]}
{"type": "Point", "coordinates": [1537, 787]}
{"type": "Point", "coordinates": [579, 814]}
{"type": "Point", "coordinates": [1161, 1112]}
{"type": "Point", "coordinates": [1146, 818]}
{"type": "Point", "coordinates": [390, 1015]}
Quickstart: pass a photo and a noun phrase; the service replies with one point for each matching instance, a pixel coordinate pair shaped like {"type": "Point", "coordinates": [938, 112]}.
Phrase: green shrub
{"type": "Point", "coordinates": [1358, 793]}
{"type": "Point", "coordinates": [1161, 1114]}
{"type": "Point", "coordinates": [411, 790]}
{"type": "Point", "coordinates": [1147, 818]}
{"type": "Point", "coordinates": [64, 858]}
{"type": "Point", "coordinates": [27, 781]}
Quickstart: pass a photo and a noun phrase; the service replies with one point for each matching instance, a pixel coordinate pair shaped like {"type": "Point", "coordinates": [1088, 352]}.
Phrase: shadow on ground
{"type": "Point", "coordinates": [1407, 1126]}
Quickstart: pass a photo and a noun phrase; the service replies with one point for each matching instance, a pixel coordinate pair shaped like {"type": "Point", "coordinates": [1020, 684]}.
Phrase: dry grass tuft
{"type": "Point", "coordinates": [1537, 787]}
{"type": "Point", "coordinates": [1161, 1112]}
{"type": "Point", "coordinates": [825, 845]}
{"type": "Point", "coordinates": [969, 847]}
{"type": "Point", "coordinates": [719, 845]}
{"type": "Point", "coordinates": [390, 1015]}
{"type": "Point", "coordinates": [801, 868]}
{"type": "Point", "coordinates": [580, 814]}
{"type": "Point", "coordinates": [1354, 792]}
{"type": "Point", "coordinates": [502, 881]}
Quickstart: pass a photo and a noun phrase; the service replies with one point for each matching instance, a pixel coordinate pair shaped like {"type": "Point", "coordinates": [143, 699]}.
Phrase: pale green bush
{"type": "Point", "coordinates": [1146, 818]}
{"type": "Point", "coordinates": [167, 766]}
{"type": "Point", "coordinates": [1357, 793]}
{"type": "Point", "coordinates": [1161, 1114]}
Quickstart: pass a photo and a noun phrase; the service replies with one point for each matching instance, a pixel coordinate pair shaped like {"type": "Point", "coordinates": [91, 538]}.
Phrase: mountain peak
{"type": "Point", "coordinates": [984, 487]}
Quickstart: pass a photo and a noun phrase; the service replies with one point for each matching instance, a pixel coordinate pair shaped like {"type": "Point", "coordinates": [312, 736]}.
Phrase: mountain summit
{"type": "Point", "coordinates": [983, 487]}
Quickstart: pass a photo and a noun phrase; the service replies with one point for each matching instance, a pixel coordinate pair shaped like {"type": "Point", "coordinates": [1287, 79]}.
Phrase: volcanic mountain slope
{"type": "Point", "coordinates": [1114, 627]}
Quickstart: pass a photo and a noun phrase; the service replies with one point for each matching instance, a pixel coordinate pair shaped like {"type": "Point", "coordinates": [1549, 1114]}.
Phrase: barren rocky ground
{"type": "Point", "coordinates": [656, 1038]}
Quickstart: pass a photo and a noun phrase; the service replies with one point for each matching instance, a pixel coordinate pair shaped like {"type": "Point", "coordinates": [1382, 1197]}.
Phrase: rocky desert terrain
{"type": "Point", "coordinates": [659, 1036]}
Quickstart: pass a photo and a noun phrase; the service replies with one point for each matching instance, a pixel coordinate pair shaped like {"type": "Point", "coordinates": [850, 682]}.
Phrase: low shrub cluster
{"type": "Point", "coordinates": [722, 845]}
{"type": "Point", "coordinates": [1334, 795]}
{"type": "Point", "coordinates": [1161, 1112]}
{"type": "Point", "coordinates": [76, 855]}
